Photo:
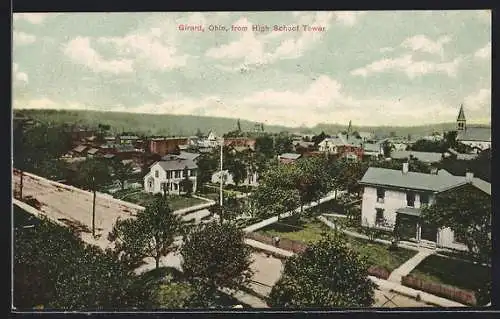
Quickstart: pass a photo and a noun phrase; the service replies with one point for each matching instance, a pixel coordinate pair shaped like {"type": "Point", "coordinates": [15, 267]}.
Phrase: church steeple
{"type": "Point", "coordinates": [461, 122]}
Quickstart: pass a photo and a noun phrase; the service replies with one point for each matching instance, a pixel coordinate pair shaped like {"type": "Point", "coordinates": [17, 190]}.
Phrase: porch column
{"type": "Point", "coordinates": [419, 231]}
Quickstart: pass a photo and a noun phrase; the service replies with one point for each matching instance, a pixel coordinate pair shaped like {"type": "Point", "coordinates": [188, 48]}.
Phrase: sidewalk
{"type": "Point", "coordinates": [409, 265]}
{"type": "Point", "coordinates": [385, 284]}
{"type": "Point", "coordinates": [413, 293]}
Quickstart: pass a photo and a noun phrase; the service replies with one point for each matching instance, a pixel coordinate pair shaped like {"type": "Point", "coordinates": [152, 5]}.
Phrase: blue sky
{"type": "Point", "coordinates": [374, 68]}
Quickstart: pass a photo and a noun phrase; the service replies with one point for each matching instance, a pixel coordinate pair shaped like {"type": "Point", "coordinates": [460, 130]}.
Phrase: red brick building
{"type": "Point", "coordinates": [166, 145]}
{"type": "Point", "coordinates": [239, 142]}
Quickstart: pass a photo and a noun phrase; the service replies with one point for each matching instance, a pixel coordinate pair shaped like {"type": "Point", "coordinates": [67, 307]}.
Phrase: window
{"type": "Point", "coordinates": [380, 195]}
{"type": "Point", "coordinates": [379, 217]}
{"type": "Point", "coordinates": [424, 199]}
{"type": "Point", "coordinates": [410, 199]}
{"type": "Point", "coordinates": [177, 174]}
{"type": "Point", "coordinates": [157, 174]}
{"type": "Point", "coordinates": [169, 174]}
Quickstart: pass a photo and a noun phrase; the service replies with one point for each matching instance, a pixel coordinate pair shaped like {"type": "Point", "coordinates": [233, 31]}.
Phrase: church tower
{"type": "Point", "coordinates": [461, 126]}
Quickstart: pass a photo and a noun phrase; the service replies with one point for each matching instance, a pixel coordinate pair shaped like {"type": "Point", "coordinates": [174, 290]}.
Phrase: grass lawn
{"type": "Point", "coordinates": [309, 231]}
{"type": "Point", "coordinates": [379, 254]}
{"type": "Point", "coordinates": [176, 201]}
{"type": "Point", "coordinates": [301, 231]}
{"type": "Point", "coordinates": [453, 272]}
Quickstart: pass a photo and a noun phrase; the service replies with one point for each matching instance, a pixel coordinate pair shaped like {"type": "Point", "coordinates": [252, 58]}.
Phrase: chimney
{"type": "Point", "coordinates": [405, 168]}
{"type": "Point", "coordinates": [469, 176]}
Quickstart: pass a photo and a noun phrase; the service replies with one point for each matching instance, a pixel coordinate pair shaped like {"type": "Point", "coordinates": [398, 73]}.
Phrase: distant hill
{"type": "Point", "coordinates": [185, 125]}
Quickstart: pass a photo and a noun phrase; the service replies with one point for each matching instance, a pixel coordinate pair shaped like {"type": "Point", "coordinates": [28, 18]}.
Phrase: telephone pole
{"type": "Point", "coordinates": [221, 166]}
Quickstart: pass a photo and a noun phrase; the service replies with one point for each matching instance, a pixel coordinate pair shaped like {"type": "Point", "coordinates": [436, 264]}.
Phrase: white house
{"type": "Point", "coordinates": [250, 180]}
{"type": "Point", "coordinates": [332, 144]}
{"type": "Point", "coordinates": [168, 173]}
{"type": "Point", "coordinates": [389, 194]}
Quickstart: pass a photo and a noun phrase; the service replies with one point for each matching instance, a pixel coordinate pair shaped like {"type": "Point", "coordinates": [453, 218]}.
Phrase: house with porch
{"type": "Point", "coordinates": [167, 175]}
{"type": "Point", "coordinates": [400, 194]}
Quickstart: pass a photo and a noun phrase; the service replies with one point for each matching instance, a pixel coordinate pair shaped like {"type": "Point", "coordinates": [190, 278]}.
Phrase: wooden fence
{"type": "Point", "coordinates": [298, 247]}
{"type": "Point", "coordinates": [460, 295]}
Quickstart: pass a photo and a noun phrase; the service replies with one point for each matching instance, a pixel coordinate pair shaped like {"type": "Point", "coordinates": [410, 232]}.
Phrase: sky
{"type": "Point", "coordinates": [373, 68]}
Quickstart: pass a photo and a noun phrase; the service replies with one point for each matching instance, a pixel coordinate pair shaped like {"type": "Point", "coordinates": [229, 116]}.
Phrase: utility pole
{"type": "Point", "coordinates": [221, 166]}
{"type": "Point", "coordinates": [93, 207]}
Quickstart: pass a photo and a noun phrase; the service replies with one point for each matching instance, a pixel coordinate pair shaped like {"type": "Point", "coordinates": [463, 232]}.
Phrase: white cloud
{"type": "Point", "coordinates": [424, 44]}
{"type": "Point", "coordinates": [34, 18]}
{"type": "Point", "coordinates": [479, 100]}
{"type": "Point", "coordinates": [386, 49]}
{"type": "Point", "coordinates": [18, 76]}
{"type": "Point", "coordinates": [410, 67]}
{"type": "Point", "coordinates": [154, 48]}
{"type": "Point", "coordinates": [484, 52]}
{"type": "Point", "coordinates": [22, 38]}
{"type": "Point", "coordinates": [80, 51]}
{"type": "Point", "coordinates": [348, 18]}
{"type": "Point", "coordinates": [251, 48]}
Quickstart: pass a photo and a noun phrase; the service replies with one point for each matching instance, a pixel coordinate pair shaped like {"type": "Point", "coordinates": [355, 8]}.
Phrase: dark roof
{"type": "Point", "coordinates": [189, 156]}
{"type": "Point", "coordinates": [479, 134]}
{"type": "Point", "coordinates": [461, 114]}
{"type": "Point", "coordinates": [411, 180]}
{"type": "Point", "coordinates": [177, 164]}
{"type": "Point", "coordinates": [426, 157]}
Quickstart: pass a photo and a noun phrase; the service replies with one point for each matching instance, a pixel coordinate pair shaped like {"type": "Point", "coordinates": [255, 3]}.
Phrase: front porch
{"type": "Point", "coordinates": [410, 227]}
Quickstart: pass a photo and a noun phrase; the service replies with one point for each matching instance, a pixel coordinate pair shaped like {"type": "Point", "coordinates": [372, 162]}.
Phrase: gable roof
{"type": "Point", "coordinates": [426, 157]}
{"type": "Point", "coordinates": [343, 140]}
{"type": "Point", "coordinates": [411, 180]}
{"type": "Point", "coordinates": [189, 156]}
{"type": "Point", "coordinates": [93, 151]}
{"type": "Point", "coordinates": [176, 164]}
{"type": "Point", "coordinates": [440, 182]}
{"type": "Point", "coordinates": [479, 134]}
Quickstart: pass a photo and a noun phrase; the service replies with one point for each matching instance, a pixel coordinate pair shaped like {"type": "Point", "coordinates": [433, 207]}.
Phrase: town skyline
{"type": "Point", "coordinates": [418, 72]}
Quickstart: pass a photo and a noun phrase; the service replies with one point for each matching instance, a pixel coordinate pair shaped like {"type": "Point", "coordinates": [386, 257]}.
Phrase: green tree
{"type": "Point", "coordinates": [122, 171]}
{"type": "Point", "coordinates": [216, 256]}
{"type": "Point", "coordinates": [151, 234]}
{"type": "Point", "coordinates": [207, 165]}
{"type": "Point", "coordinates": [319, 138]}
{"type": "Point", "coordinates": [450, 138]}
{"type": "Point", "coordinates": [283, 144]}
{"type": "Point", "coordinates": [93, 173]}
{"type": "Point", "coordinates": [387, 148]}
{"type": "Point", "coordinates": [236, 167]}
{"type": "Point", "coordinates": [264, 146]}
{"type": "Point", "coordinates": [467, 211]}
{"type": "Point", "coordinates": [69, 275]}
{"type": "Point", "coordinates": [327, 274]}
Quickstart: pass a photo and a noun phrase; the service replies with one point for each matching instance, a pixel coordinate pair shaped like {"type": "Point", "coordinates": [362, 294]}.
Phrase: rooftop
{"type": "Point", "coordinates": [478, 134]}
{"type": "Point", "coordinates": [177, 164]}
{"type": "Point", "coordinates": [426, 157]}
{"type": "Point", "coordinates": [411, 180]}
{"type": "Point", "coordinates": [419, 181]}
